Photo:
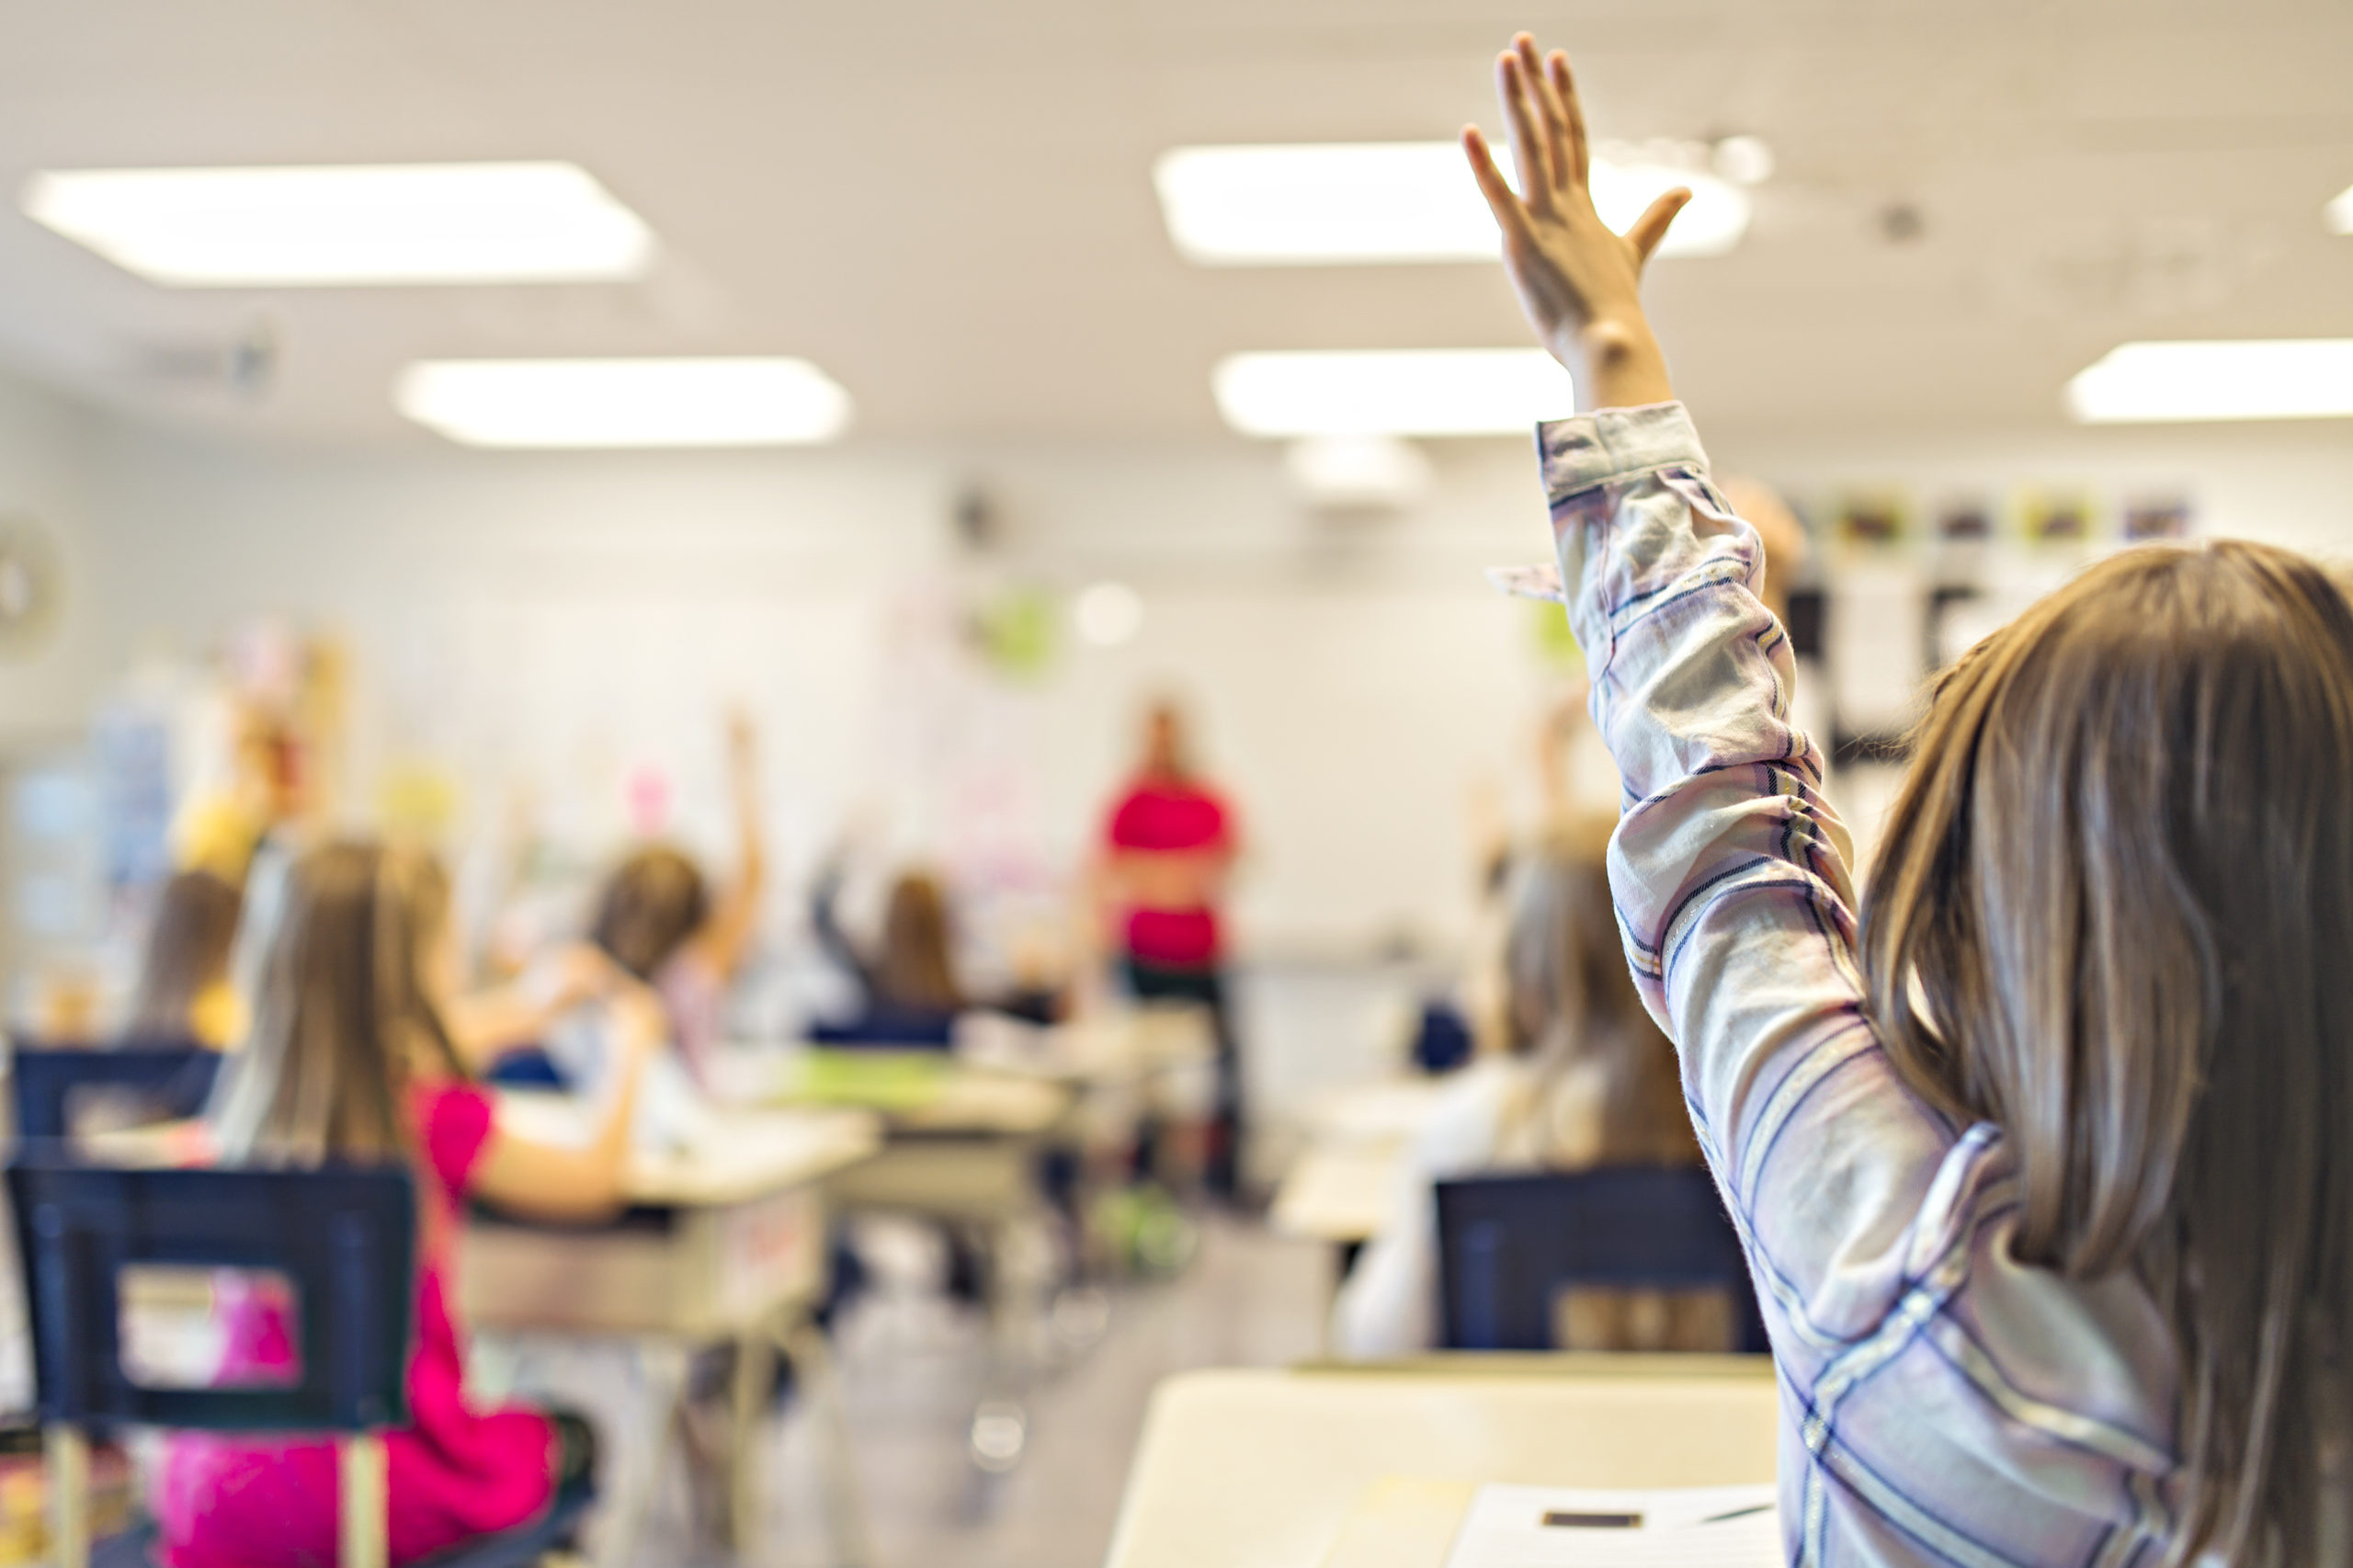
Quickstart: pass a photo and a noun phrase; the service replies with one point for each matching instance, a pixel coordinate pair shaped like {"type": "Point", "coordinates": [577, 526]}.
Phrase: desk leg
{"type": "Point", "coordinates": [661, 1367]}
{"type": "Point", "coordinates": [754, 1378]}
{"type": "Point", "coordinates": [803, 1344]}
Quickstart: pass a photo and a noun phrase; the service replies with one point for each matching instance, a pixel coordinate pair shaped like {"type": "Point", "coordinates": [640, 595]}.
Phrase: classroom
{"type": "Point", "coordinates": [1275, 785]}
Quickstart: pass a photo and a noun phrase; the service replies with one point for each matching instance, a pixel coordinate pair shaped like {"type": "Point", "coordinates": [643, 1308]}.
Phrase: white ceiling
{"type": "Point", "coordinates": [947, 203]}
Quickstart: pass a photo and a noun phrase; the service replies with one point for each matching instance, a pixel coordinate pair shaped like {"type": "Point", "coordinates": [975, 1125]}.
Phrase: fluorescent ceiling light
{"type": "Point", "coordinates": [383, 223]}
{"type": "Point", "coordinates": [1396, 201]}
{"type": "Point", "coordinates": [2269, 379]}
{"type": "Point", "coordinates": [1409, 391]}
{"type": "Point", "coordinates": [2339, 212]}
{"type": "Point", "coordinates": [624, 403]}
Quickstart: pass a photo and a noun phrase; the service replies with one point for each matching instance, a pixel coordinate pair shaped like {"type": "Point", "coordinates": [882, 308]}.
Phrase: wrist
{"type": "Point", "coordinates": [1621, 363]}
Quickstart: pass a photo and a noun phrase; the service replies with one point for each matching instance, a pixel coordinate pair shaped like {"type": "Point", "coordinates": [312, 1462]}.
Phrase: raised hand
{"type": "Point", "coordinates": [1579, 281]}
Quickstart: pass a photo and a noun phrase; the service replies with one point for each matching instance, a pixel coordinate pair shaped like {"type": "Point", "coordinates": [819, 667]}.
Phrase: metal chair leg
{"type": "Point", "coordinates": [364, 1519]}
{"type": "Point", "coordinates": [68, 1452]}
{"type": "Point", "coordinates": [662, 1378]}
{"type": "Point", "coordinates": [803, 1344]}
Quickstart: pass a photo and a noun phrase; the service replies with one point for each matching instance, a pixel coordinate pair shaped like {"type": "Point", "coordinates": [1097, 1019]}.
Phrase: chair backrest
{"type": "Point", "coordinates": [345, 1236]}
{"type": "Point", "coordinates": [904, 1029]}
{"type": "Point", "coordinates": [42, 1080]}
{"type": "Point", "coordinates": [1509, 1244]}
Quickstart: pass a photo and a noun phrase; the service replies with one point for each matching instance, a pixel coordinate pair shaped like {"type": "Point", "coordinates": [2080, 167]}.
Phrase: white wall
{"type": "Point", "coordinates": [46, 449]}
{"type": "Point", "coordinates": [564, 619]}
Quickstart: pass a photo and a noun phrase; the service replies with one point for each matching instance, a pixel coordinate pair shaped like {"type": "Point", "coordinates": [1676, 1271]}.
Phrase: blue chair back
{"type": "Point", "coordinates": [44, 1080]}
{"type": "Point", "coordinates": [344, 1237]}
{"type": "Point", "coordinates": [1507, 1245]}
{"type": "Point", "coordinates": [901, 1029]}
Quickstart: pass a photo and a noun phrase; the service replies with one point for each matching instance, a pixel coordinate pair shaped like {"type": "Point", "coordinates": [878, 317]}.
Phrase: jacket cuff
{"type": "Point", "coordinates": [1612, 444]}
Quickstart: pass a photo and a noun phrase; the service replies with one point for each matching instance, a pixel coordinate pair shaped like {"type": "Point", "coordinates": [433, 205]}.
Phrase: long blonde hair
{"type": "Point", "coordinates": [1571, 1001]}
{"type": "Point", "coordinates": [2111, 914]}
{"type": "Point", "coordinates": [344, 1011]}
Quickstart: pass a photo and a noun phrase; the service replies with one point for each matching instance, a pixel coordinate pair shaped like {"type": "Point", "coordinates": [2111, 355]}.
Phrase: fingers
{"type": "Point", "coordinates": [1526, 133]}
{"type": "Point", "coordinates": [1651, 227]}
{"type": "Point", "coordinates": [1551, 114]}
{"type": "Point", "coordinates": [1510, 216]}
{"type": "Point", "coordinates": [1564, 87]}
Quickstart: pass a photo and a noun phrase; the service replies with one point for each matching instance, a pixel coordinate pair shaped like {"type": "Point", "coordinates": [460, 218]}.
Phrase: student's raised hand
{"type": "Point", "coordinates": [1579, 281]}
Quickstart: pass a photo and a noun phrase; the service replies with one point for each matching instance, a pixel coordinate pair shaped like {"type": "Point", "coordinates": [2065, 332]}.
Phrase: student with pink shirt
{"type": "Point", "coordinates": [349, 1060]}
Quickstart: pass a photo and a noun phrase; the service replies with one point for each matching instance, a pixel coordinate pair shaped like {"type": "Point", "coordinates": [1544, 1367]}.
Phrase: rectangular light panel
{"type": "Point", "coordinates": [624, 403]}
{"type": "Point", "coordinates": [1407, 391]}
{"type": "Point", "coordinates": [349, 224]}
{"type": "Point", "coordinates": [2265, 378]}
{"type": "Point", "coordinates": [1395, 201]}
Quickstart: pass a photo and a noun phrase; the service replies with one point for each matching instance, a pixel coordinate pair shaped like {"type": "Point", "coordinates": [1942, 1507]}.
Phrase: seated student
{"type": "Point", "coordinates": [185, 995]}
{"type": "Point", "coordinates": [906, 983]}
{"type": "Point", "coordinates": [349, 1060]}
{"type": "Point", "coordinates": [1586, 1080]}
{"type": "Point", "coordinates": [908, 988]}
{"type": "Point", "coordinates": [657, 919]}
{"type": "Point", "coordinates": [2040, 1155]}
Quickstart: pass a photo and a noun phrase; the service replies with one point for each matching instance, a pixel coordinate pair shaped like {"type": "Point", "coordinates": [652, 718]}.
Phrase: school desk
{"type": "Point", "coordinates": [1262, 1469]}
{"type": "Point", "coordinates": [723, 1244]}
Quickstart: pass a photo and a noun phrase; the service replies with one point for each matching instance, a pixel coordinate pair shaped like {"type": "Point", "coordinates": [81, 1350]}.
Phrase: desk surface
{"type": "Point", "coordinates": [1337, 1192]}
{"type": "Point", "coordinates": [1260, 1469]}
{"type": "Point", "coordinates": [923, 1092]}
{"type": "Point", "coordinates": [1386, 1110]}
{"type": "Point", "coordinates": [745, 1153]}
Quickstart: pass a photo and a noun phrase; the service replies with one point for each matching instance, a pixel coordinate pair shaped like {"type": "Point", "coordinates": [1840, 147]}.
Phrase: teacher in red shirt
{"type": "Point", "coordinates": [1169, 844]}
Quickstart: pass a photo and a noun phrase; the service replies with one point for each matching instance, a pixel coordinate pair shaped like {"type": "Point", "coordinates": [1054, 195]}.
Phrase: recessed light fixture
{"type": "Point", "coordinates": [2264, 379]}
{"type": "Point", "coordinates": [1404, 392]}
{"type": "Point", "coordinates": [2339, 212]}
{"type": "Point", "coordinates": [1397, 201]}
{"type": "Point", "coordinates": [346, 224]}
{"type": "Point", "coordinates": [624, 403]}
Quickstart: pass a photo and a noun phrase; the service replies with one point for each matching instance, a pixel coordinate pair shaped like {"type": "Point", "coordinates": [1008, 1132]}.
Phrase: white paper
{"type": "Point", "coordinates": [1711, 1526]}
{"type": "Point", "coordinates": [1539, 581]}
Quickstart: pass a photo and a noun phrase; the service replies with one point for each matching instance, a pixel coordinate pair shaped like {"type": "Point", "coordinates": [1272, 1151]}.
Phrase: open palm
{"type": "Point", "coordinates": [1579, 281]}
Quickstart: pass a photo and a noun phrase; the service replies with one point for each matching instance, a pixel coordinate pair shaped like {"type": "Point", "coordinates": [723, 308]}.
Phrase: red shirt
{"type": "Point", "coordinates": [1171, 817]}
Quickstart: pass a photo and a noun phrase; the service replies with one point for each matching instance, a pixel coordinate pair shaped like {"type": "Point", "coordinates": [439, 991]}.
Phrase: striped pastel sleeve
{"type": "Point", "coordinates": [1944, 1399]}
{"type": "Point", "coordinates": [1730, 871]}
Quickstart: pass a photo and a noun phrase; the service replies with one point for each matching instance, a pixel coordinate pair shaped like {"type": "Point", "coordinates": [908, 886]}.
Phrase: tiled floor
{"type": "Point", "coordinates": [914, 1370]}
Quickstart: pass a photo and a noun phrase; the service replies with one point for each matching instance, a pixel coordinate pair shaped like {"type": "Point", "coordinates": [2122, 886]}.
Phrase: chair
{"type": "Point", "coordinates": [1509, 1244]}
{"type": "Point", "coordinates": [344, 1236]}
{"type": "Point", "coordinates": [44, 1080]}
{"type": "Point", "coordinates": [901, 1029]}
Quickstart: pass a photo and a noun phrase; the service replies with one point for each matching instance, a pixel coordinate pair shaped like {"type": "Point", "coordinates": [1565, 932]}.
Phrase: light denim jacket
{"type": "Point", "coordinates": [1941, 1402]}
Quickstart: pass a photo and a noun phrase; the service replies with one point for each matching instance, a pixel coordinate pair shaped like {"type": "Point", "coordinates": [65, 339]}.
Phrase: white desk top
{"type": "Point", "coordinates": [1260, 1469]}
{"type": "Point", "coordinates": [1118, 1046]}
{"type": "Point", "coordinates": [1337, 1193]}
{"type": "Point", "coordinates": [1385, 1111]}
{"type": "Point", "coordinates": [745, 1154]}
{"type": "Point", "coordinates": [961, 1100]}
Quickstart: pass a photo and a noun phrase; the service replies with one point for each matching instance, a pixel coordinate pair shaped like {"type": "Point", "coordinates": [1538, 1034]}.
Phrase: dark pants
{"type": "Point", "coordinates": [1149, 981]}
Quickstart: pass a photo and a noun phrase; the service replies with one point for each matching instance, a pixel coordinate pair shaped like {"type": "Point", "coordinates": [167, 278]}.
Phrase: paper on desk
{"type": "Point", "coordinates": [1555, 1527]}
{"type": "Point", "coordinates": [1539, 581]}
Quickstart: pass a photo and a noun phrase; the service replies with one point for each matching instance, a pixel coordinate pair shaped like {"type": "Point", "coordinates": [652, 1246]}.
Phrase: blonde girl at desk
{"type": "Point", "coordinates": [349, 1060]}
{"type": "Point", "coordinates": [2039, 1149]}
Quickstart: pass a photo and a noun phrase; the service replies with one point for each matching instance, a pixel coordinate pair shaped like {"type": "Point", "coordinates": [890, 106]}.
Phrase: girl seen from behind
{"type": "Point", "coordinates": [658, 919]}
{"type": "Point", "coordinates": [348, 1060]}
{"type": "Point", "coordinates": [1586, 1079]}
{"type": "Point", "coordinates": [2041, 1156]}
